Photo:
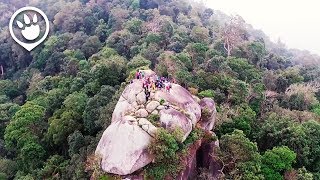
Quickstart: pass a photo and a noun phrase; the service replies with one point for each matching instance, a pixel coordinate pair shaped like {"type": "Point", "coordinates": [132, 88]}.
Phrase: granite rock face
{"type": "Point", "coordinates": [209, 112]}
{"type": "Point", "coordinates": [123, 147]}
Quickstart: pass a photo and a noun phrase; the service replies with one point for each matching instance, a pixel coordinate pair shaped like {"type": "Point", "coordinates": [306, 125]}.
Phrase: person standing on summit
{"type": "Point", "coordinates": [153, 85]}
{"type": "Point", "coordinates": [138, 74]}
{"type": "Point", "coordinates": [142, 74]}
{"type": "Point", "coordinates": [167, 86]}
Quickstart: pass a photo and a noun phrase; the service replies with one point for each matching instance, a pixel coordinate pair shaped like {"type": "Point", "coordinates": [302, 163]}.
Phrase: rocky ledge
{"type": "Point", "coordinates": [123, 147]}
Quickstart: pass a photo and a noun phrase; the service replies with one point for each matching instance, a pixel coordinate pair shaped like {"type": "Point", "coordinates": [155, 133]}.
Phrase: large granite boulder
{"type": "Point", "coordinates": [181, 98]}
{"type": "Point", "coordinates": [123, 147]}
{"type": "Point", "coordinates": [208, 114]}
{"type": "Point", "coordinates": [172, 119]}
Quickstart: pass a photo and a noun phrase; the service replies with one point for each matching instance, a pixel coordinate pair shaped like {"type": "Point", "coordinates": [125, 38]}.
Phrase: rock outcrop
{"type": "Point", "coordinates": [199, 156]}
{"type": "Point", "coordinates": [209, 112]}
{"type": "Point", "coordinates": [123, 148]}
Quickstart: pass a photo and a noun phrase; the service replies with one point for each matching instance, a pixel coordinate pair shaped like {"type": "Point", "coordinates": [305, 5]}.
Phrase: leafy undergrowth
{"type": "Point", "coordinates": [154, 119]}
{"type": "Point", "coordinates": [169, 151]}
{"type": "Point", "coordinates": [109, 177]}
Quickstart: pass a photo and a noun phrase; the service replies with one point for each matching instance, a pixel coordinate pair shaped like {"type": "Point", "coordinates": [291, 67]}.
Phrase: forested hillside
{"type": "Point", "coordinates": [56, 101]}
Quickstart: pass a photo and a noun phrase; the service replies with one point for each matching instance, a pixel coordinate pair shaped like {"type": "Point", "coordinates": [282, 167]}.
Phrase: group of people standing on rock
{"type": "Point", "coordinates": [156, 83]}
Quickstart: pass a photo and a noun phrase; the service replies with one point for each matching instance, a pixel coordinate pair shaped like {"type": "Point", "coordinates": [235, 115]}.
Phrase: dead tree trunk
{"type": "Point", "coordinates": [227, 46]}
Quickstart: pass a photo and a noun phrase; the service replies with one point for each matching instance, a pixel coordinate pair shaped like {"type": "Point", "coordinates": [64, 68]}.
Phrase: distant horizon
{"type": "Point", "coordinates": [294, 22]}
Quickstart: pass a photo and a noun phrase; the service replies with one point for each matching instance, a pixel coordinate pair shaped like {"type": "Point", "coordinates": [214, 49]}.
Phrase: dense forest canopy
{"type": "Point", "coordinates": [56, 101]}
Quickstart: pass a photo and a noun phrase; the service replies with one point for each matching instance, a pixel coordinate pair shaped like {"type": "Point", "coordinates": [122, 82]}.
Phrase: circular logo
{"type": "Point", "coordinates": [29, 27]}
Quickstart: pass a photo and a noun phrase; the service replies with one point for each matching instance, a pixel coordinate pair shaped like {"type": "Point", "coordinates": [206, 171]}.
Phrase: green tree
{"type": "Point", "coordinates": [26, 125]}
{"type": "Point", "coordinates": [277, 130]}
{"type": "Point", "coordinates": [200, 34]}
{"type": "Point", "coordinates": [7, 111]}
{"type": "Point", "coordinates": [186, 60]}
{"type": "Point", "coordinates": [300, 97]}
{"type": "Point", "coordinates": [238, 92]}
{"type": "Point", "coordinates": [68, 119]}
{"type": "Point", "coordinates": [217, 64]}
{"type": "Point", "coordinates": [135, 4]}
{"type": "Point", "coordinates": [134, 26]}
{"type": "Point", "coordinates": [183, 77]}
{"type": "Point", "coordinates": [256, 52]}
{"type": "Point", "coordinates": [138, 62]}
{"type": "Point", "coordinates": [239, 156]}
{"type": "Point", "coordinates": [109, 71]}
{"type": "Point", "coordinates": [165, 147]}
{"type": "Point", "coordinates": [102, 30]}
{"type": "Point", "coordinates": [312, 131]}
{"type": "Point", "coordinates": [91, 46]}
{"type": "Point", "coordinates": [151, 52]}
{"type": "Point", "coordinates": [276, 161]}
{"type": "Point", "coordinates": [303, 174]}
{"type": "Point", "coordinates": [243, 120]}
{"type": "Point", "coordinates": [197, 52]}
{"type": "Point", "coordinates": [153, 38]}
{"type": "Point", "coordinates": [288, 77]}
{"type": "Point", "coordinates": [121, 41]}
{"type": "Point", "coordinates": [23, 134]}
{"type": "Point", "coordinates": [244, 71]}
{"type": "Point", "coordinates": [9, 88]}
{"type": "Point", "coordinates": [93, 109]}
{"type": "Point", "coordinates": [74, 16]}
{"type": "Point", "coordinates": [8, 167]}
{"type": "Point", "coordinates": [55, 166]}
{"type": "Point", "coordinates": [31, 156]}
{"type": "Point", "coordinates": [75, 142]}
{"type": "Point", "coordinates": [117, 18]}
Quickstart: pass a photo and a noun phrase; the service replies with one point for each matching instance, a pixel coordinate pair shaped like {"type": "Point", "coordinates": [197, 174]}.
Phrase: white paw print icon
{"type": "Point", "coordinates": [29, 26]}
{"type": "Point", "coordinates": [32, 31]}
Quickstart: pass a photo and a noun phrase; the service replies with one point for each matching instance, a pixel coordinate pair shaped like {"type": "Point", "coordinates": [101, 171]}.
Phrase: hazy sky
{"type": "Point", "coordinates": [296, 22]}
